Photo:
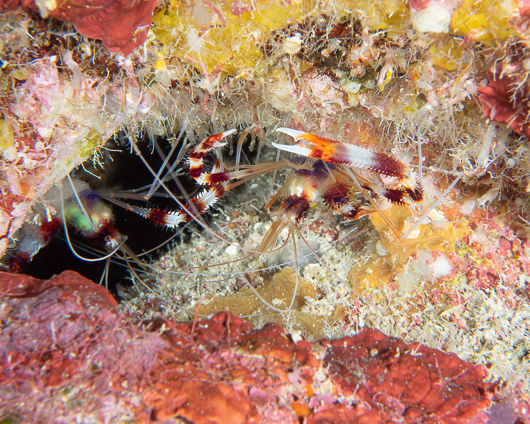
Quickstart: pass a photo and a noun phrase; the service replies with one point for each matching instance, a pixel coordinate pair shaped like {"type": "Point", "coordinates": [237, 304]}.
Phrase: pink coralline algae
{"type": "Point", "coordinates": [238, 7]}
{"type": "Point", "coordinates": [522, 22]}
{"type": "Point", "coordinates": [67, 352]}
{"type": "Point", "coordinates": [504, 99]}
{"type": "Point", "coordinates": [496, 254]}
{"type": "Point", "coordinates": [419, 4]}
{"type": "Point", "coordinates": [394, 382]}
{"type": "Point", "coordinates": [122, 25]}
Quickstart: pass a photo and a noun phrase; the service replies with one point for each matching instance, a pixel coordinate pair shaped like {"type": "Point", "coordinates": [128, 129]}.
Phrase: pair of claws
{"type": "Point", "coordinates": [329, 151]}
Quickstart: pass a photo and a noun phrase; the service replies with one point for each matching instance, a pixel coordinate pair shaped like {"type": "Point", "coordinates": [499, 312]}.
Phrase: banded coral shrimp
{"type": "Point", "coordinates": [332, 173]}
{"type": "Point", "coordinates": [307, 183]}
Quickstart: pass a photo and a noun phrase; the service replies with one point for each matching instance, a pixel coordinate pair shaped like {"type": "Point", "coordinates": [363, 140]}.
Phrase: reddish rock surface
{"type": "Point", "coordinates": [122, 25]}
{"type": "Point", "coordinates": [419, 4]}
{"type": "Point", "coordinates": [504, 99]}
{"type": "Point", "coordinates": [66, 351]}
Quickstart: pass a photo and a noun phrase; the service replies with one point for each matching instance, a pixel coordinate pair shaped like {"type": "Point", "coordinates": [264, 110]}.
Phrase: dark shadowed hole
{"type": "Point", "coordinates": [125, 171]}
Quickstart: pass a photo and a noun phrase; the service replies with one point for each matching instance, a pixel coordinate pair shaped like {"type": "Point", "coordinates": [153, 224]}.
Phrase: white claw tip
{"type": "Point", "coordinates": [291, 132]}
{"type": "Point", "coordinates": [297, 149]}
{"type": "Point", "coordinates": [227, 133]}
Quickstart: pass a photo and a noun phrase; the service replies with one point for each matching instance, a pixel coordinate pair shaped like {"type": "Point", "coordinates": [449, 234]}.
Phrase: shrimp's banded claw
{"type": "Point", "coordinates": [171, 219]}
{"type": "Point", "coordinates": [219, 174]}
{"type": "Point", "coordinates": [345, 154]}
{"type": "Point", "coordinates": [338, 153]}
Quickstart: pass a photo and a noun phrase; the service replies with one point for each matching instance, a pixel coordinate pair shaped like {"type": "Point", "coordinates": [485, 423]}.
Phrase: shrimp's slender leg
{"type": "Point", "coordinates": [154, 186]}
{"type": "Point", "coordinates": [240, 141]}
{"type": "Point", "coordinates": [105, 274]}
{"type": "Point", "coordinates": [260, 297]}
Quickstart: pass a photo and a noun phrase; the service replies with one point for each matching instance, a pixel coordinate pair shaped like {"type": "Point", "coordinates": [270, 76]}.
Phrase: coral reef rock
{"type": "Point", "coordinates": [121, 25]}
{"type": "Point", "coordinates": [67, 352]}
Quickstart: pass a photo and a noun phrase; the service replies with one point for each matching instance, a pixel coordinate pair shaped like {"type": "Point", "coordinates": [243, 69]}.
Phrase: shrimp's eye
{"type": "Point", "coordinates": [113, 242]}
{"type": "Point", "coordinates": [110, 242]}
